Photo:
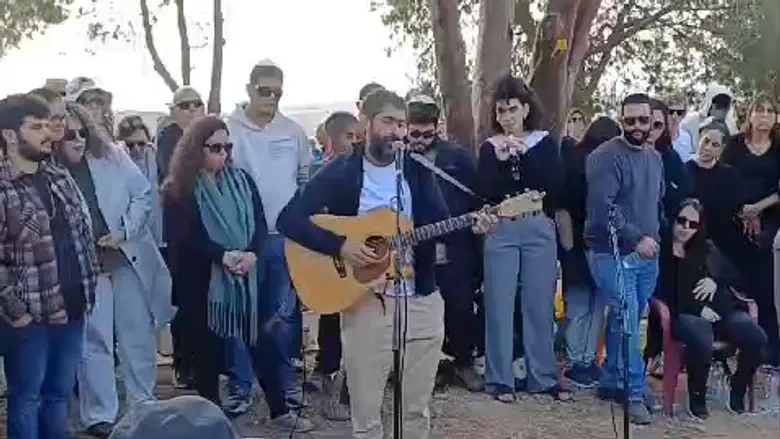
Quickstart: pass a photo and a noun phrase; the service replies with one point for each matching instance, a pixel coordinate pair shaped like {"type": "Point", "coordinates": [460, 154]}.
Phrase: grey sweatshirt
{"type": "Point", "coordinates": [628, 181]}
{"type": "Point", "coordinates": [277, 157]}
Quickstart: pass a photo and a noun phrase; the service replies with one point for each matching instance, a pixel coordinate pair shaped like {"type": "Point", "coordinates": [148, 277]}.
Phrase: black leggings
{"type": "Point", "coordinates": [737, 328]}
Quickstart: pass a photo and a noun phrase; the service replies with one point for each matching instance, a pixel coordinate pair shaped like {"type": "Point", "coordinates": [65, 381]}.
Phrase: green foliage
{"type": "Point", "coordinates": [672, 46]}
{"type": "Point", "coordinates": [21, 19]}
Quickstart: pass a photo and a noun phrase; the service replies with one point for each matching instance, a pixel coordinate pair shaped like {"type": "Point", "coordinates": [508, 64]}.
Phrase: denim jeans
{"type": "Point", "coordinates": [238, 364]}
{"type": "Point", "coordinates": [639, 279]}
{"type": "Point", "coordinates": [280, 319]}
{"type": "Point", "coordinates": [584, 317]}
{"type": "Point", "coordinates": [40, 364]}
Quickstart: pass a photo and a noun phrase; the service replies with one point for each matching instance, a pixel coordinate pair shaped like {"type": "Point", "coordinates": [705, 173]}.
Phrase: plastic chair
{"type": "Point", "coordinates": [673, 352]}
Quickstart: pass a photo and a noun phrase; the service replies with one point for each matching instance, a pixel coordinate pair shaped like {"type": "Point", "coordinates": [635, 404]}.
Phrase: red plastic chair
{"type": "Point", "coordinates": [673, 352]}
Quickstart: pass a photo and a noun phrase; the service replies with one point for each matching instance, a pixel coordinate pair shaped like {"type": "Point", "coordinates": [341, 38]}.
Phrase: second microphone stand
{"type": "Point", "coordinates": [625, 328]}
{"type": "Point", "coordinates": [399, 342]}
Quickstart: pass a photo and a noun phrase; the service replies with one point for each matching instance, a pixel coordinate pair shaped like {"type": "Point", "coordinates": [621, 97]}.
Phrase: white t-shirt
{"type": "Point", "coordinates": [379, 190]}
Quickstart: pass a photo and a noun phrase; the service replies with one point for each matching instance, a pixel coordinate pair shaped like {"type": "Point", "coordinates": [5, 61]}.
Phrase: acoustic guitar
{"type": "Point", "coordinates": [328, 284]}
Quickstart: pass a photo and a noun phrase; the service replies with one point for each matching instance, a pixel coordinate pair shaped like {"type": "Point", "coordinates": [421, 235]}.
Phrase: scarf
{"type": "Point", "coordinates": [227, 212]}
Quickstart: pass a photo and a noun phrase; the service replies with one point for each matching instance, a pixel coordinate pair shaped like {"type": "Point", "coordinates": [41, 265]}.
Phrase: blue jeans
{"type": "Point", "coordinates": [238, 364]}
{"type": "Point", "coordinates": [639, 279]}
{"type": "Point", "coordinates": [40, 364]}
{"type": "Point", "coordinates": [280, 319]}
{"type": "Point", "coordinates": [584, 316]}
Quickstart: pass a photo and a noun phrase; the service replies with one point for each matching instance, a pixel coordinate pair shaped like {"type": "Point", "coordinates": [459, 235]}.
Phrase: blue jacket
{"type": "Point", "coordinates": [336, 189]}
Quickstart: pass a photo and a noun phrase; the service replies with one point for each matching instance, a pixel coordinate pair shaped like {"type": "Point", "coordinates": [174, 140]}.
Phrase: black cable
{"type": "Point", "coordinates": [303, 384]}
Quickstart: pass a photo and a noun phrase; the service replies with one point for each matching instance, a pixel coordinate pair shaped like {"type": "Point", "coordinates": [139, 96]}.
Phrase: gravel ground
{"type": "Point", "coordinates": [460, 414]}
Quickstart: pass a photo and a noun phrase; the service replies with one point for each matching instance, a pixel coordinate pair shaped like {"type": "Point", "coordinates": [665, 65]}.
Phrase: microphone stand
{"type": "Point", "coordinates": [398, 288]}
{"type": "Point", "coordinates": [625, 329]}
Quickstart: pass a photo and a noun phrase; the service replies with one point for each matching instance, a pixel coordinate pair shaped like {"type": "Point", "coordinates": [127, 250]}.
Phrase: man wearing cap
{"type": "Point", "coordinates": [275, 151]}
{"type": "Point", "coordinates": [457, 255]}
{"type": "Point", "coordinates": [85, 91]}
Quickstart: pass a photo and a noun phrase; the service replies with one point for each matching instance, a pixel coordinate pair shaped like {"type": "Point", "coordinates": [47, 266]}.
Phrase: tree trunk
{"type": "Point", "coordinates": [493, 60]}
{"type": "Point", "coordinates": [215, 94]}
{"type": "Point", "coordinates": [159, 66]}
{"type": "Point", "coordinates": [186, 65]}
{"type": "Point", "coordinates": [561, 45]}
{"type": "Point", "coordinates": [451, 70]}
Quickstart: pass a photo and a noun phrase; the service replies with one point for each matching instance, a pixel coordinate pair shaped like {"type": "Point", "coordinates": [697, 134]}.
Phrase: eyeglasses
{"type": "Point", "coordinates": [631, 121]}
{"type": "Point", "coordinates": [71, 135]}
{"type": "Point", "coordinates": [658, 125]}
{"type": "Point", "coordinates": [676, 112]}
{"type": "Point", "coordinates": [217, 148]}
{"type": "Point", "coordinates": [687, 223]}
{"type": "Point", "coordinates": [267, 92]}
{"type": "Point", "coordinates": [134, 145]}
{"type": "Point", "coordinates": [417, 134]}
{"type": "Point", "coordinates": [189, 105]}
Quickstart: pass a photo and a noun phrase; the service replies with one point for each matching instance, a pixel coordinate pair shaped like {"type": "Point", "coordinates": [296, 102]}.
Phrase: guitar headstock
{"type": "Point", "coordinates": [529, 202]}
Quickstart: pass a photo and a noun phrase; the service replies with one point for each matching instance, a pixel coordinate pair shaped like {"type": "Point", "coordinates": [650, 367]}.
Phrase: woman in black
{"type": "Point", "coordinates": [695, 281]}
{"type": "Point", "coordinates": [584, 306]}
{"type": "Point", "coordinates": [216, 280]}
{"type": "Point", "coordinates": [755, 153]}
{"type": "Point", "coordinates": [678, 185]}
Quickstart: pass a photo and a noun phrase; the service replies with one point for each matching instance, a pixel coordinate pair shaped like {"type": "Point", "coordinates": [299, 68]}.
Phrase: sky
{"type": "Point", "coordinates": [328, 50]}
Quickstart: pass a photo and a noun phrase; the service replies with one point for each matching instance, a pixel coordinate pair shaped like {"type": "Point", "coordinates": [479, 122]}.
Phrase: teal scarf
{"type": "Point", "coordinates": [227, 212]}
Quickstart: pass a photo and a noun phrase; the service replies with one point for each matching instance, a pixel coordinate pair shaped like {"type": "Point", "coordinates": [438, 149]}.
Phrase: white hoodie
{"type": "Point", "coordinates": [693, 121]}
{"type": "Point", "coordinates": [277, 157]}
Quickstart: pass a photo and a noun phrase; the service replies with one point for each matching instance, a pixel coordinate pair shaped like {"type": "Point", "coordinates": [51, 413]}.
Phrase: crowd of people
{"type": "Point", "coordinates": [111, 231]}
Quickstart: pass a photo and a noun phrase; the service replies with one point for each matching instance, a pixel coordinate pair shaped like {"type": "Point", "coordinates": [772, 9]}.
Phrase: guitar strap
{"type": "Point", "coordinates": [441, 173]}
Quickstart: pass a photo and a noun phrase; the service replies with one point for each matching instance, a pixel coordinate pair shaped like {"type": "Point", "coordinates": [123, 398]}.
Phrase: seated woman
{"type": "Point", "coordinates": [702, 307]}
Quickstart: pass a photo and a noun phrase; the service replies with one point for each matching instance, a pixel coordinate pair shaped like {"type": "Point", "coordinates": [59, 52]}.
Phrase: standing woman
{"type": "Point", "coordinates": [219, 235]}
{"type": "Point", "coordinates": [520, 157]}
{"type": "Point", "coordinates": [755, 153]}
{"type": "Point", "coordinates": [584, 305]}
{"type": "Point", "coordinates": [135, 136]}
{"type": "Point", "coordinates": [678, 183]}
{"type": "Point", "coordinates": [133, 291]}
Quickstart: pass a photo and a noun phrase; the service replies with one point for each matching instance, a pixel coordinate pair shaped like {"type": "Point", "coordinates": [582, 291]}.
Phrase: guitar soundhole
{"type": "Point", "coordinates": [381, 247]}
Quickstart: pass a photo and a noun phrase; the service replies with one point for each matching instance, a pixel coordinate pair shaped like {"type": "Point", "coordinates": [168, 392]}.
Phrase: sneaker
{"type": "Point", "coordinates": [580, 376]}
{"type": "Point", "coordinates": [238, 401]}
{"type": "Point", "coordinates": [697, 406]}
{"type": "Point", "coordinates": [638, 413]}
{"type": "Point", "coordinates": [594, 370]}
{"type": "Point", "coordinates": [736, 402]}
{"type": "Point", "coordinates": [101, 430]}
{"type": "Point", "coordinates": [470, 379]}
{"type": "Point", "coordinates": [334, 410]}
{"type": "Point", "coordinates": [291, 422]}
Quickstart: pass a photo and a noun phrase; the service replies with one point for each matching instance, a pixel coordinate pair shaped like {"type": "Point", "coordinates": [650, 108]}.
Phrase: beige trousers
{"type": "Point", "coordinates": [367, 332]}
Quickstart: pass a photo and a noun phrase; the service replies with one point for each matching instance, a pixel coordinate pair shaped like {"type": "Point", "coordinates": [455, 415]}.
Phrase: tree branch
{"type": "Point", "coordinates": [159, 66]}
{"type": "Point", "coordinates": [186, 65]}
{"type": "Point", "coordinates": [215, 94]}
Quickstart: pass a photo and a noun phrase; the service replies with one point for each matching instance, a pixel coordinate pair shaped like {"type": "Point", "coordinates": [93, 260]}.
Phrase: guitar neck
{"type": "Point", "coordinates": [434, 230]}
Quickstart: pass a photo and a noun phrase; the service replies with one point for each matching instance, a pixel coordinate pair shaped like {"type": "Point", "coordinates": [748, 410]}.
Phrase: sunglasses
{"type": "Point", "coordinates": [93, 100]}
{"type": "Point", "coordinates": [676, 112]}
{"type": "Point", "coordinates": [658, 125]}
{"type": "Point", "coordinates": [71, 135]}
{"type": "Point", "coordinates": [417, 134]}
{"type": "Point", "coordinates": [631, 121]}
{"type": "Point", "coordinates": [575, 120]}
{"type": "Point", "coordinates": [134, 122]}
{"type": "Point", "coordinates": [217, 148]}
{"type": "Point", "coordinates": [134, 145]}
{"type": "Point", "coordinates": [267, 92]}
{"type": "Point", "coordinates": [688, 224]}
{"type": "Point", "coordinates": [189, 105]}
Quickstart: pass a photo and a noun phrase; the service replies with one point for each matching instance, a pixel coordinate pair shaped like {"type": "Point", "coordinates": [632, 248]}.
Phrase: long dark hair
{"type": "Point", "coordinates": [187, 159]}
{"type": "Point", "coordinates": [98, 144]}
{"type": "Point", "coordinates": [599, 131]}
{"type": "Point", "coordinates": [664, 142]}
{"type": "Point", "coordinates": [697, 246]}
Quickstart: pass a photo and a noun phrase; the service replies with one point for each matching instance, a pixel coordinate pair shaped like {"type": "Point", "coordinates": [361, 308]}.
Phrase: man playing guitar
{"type": "Point", "coordinates": [354, 185]}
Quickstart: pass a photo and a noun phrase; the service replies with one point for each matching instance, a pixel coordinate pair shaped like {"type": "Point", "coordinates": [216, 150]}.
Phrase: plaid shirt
{"type": "Point", "coordinates": [28, 267]}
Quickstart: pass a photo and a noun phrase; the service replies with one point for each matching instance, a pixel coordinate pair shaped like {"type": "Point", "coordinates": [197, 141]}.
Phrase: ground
{"type": "Point", "coordinates": [460, 414]}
